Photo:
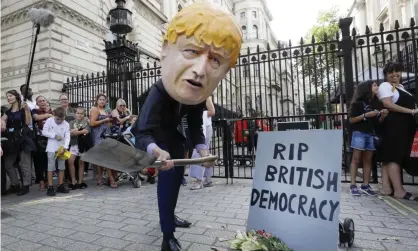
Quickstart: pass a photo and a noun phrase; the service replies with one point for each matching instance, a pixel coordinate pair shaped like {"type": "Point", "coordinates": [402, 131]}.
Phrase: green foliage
{"type": "Point", "coordinates": [321, 66]}
{"type": "Point", "coordinates": [314, 105]}
{"type": "Point", "coordinates": [257, 241]}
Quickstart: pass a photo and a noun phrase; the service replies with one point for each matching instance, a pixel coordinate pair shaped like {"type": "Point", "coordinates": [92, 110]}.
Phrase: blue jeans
{"type": "Point", "coordinates": [362, 141]}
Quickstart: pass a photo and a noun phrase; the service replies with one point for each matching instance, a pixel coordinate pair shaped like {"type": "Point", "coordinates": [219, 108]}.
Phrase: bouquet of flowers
{"type": "Point", "coordinates": [257, 241]}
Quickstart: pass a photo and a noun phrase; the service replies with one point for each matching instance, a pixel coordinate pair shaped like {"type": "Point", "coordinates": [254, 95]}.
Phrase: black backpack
{"type": "Point", "coordinates": [85, 142]}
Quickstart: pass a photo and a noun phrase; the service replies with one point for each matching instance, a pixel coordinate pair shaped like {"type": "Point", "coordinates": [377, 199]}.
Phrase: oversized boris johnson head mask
{"type": "Point", "coordinates": [201, 45]}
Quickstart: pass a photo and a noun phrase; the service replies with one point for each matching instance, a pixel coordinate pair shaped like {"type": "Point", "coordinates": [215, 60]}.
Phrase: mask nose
{"type": "Point", "coordinates": [199, 65]}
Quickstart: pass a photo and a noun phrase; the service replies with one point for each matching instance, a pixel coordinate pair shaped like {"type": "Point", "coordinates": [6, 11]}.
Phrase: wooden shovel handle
{"type": "Point", "coordinates": [185, 162]}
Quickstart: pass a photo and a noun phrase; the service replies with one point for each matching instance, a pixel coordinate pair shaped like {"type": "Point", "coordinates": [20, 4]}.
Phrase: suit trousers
{"type": "Point", "coordinates": [25, 167]}
{"type": "Point", "coordinates": [168, 188]}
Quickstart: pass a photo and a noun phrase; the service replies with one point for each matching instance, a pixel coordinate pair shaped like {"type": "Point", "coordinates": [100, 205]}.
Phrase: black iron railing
{"type": "Point", "coordinates": [313, 80]}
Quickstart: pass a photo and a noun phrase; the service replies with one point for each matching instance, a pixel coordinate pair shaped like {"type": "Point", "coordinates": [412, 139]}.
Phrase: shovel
{"type": "Point", "coordinates": [118, 156]}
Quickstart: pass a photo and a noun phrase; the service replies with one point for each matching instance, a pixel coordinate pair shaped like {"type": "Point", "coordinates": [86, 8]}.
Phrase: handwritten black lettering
{"type": "Point", "coordinates": [283, 172]}
{"type": "Point", "coordinates": [263, 197]}
{"type": "Point", "coordinates": [306, 206]}
{"type": "Point", "coordinates": [278, 149]}
{"type": "Point", "coordinates": [271, 171]}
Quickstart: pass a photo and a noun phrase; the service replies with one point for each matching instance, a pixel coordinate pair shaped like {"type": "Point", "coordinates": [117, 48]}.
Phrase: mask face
{"type": "Point", "coordinates": [191, 71]}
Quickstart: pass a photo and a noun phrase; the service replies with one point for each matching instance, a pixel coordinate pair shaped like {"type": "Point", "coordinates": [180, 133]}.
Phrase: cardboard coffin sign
{"type": "Point", "coordinates": [296, 188]}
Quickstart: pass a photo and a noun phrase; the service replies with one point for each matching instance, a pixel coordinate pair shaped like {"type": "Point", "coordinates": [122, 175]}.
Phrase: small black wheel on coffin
{"type": "Point", "coordinates": [349, 230]}
{"type": "Point", "coordinates": [340, 234]}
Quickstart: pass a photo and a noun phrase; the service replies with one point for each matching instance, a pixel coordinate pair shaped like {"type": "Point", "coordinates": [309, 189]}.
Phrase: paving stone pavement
{"type": "Point", "coordinates": [101, 218]}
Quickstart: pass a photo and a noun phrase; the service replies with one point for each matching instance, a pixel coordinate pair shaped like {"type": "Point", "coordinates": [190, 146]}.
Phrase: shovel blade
{"type": "Point", "coordinates": [115, 155]}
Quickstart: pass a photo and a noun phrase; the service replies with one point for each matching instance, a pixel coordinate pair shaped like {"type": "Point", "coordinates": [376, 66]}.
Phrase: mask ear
{"type": "Point", "coordinates": [164, 51]}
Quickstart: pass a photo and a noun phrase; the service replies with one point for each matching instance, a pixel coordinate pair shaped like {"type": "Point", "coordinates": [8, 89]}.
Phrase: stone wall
{"type": "Point", "coordinates": [73, 45]}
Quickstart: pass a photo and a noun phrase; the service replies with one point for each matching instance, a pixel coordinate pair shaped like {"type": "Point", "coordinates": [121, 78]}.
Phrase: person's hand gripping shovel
{"type": "Point", "coordinates": [123, 158]}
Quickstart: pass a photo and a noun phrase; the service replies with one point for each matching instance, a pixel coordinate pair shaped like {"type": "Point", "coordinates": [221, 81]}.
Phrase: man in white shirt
{"type": "Point", "coordinates": [32, 105]}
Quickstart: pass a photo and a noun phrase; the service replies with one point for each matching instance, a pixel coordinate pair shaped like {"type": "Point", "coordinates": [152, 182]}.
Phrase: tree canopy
{"type": "Point", "coordinates": [320, 64]}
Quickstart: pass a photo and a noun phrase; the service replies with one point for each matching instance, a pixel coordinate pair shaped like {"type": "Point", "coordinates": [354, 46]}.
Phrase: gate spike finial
{"type": "Point", "coordinates": [301, 40]}
{"type": "Point", "coordinates": [290, 43]}
{"type": "Point", "coordinates": [382, 27]}
{"type": "Point", "coordinates": [397, 26]}
{"type": "Point", "coordinates": [367, 30]}
{"type": "Point", "coordinates": [313, 39]}
{"type": "Point", "coordinates": [354, 31]}
{"type": "Point", "coordinates": [412, 23]}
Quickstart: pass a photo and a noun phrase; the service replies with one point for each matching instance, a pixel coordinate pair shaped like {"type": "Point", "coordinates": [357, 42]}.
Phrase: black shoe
{"type": "Point", "coordinates": [4, 192]}
{"type": "Point", "coordinates": [13, 189]}
{"type": "Point", "coordinates": [72, 186]}
{"type": "Point", "coordinates": [81, 185]}
{"type": "Point", "coordinates": [50, 191]}
{"type": "Point", "coordinates": [151, 180]}
{"type": "Point", "coordinates": [23, 190]}
{"type": "Point", "coordinates": [62, 189]}
{"type": "Point", "coordinates": [178, 222]}
{"type": "Point", "coordinates": [171, 245]}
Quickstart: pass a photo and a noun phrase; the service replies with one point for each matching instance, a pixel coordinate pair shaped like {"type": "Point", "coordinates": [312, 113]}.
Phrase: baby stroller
{"type": "Point", "coordinates": [127, 138]}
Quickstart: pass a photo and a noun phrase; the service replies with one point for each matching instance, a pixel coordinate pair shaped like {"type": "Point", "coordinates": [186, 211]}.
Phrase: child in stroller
{"type": "Point", "coordinates": [148, 174]}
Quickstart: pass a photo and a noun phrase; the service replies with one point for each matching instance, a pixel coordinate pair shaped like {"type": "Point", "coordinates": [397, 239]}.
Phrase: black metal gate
{"type": "Point", "coordinates": [311, 82]}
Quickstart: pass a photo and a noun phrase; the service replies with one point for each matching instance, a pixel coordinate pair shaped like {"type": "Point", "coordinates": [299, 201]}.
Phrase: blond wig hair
{"type": "Point", "coordinates": [209, 24]}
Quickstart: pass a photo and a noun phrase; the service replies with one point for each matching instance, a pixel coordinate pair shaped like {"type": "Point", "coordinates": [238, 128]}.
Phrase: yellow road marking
{"type": "Point", "coordinates": [392, 205]}
{"type": "Point", "coordinates": [405, 206]}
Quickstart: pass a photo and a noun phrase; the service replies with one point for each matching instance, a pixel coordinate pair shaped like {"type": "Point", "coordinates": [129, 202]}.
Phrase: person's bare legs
{"type": "Point", "coordinates": [394, 171]}
{"type": "Point", "coordinates": [71, 166]}
{"type": "Point", "coordinates": [367, 158]}
{"type": "Point", "coordinates": [99, 175]}
{"type": "Point", "coordinates": [355, 161]}
{"type": "Point", "coordinates": [111, 178]}
{"type": "Point", "coordinates": [80, 171]}
{"type": "Point", "coordinates": [386, 184]}
{"type": "Point", "coordinates": [367, 166]}
{"type": "Point", "coordinates": [61, 175]}
{"type": "Point", "coordinates": [50, 178]}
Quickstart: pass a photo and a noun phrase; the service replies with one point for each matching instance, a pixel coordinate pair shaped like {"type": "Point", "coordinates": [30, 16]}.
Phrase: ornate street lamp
{"type": "Point", "coordinates": [120, 19]}
{"type": "Point", "coordinates": [121, 53]}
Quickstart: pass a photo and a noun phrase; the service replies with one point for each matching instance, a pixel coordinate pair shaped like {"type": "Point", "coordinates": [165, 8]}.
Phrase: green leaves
{"type": "Point", "coordinates": [257, 241]}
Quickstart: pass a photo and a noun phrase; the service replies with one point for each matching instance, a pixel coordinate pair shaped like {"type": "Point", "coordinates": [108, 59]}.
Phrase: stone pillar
{"type": "Point", "coordinates": [121, 55]}
{"type": "Point", "coordinates": [361, 19]}
{"type": "Point", "coordinates": [403, 13]}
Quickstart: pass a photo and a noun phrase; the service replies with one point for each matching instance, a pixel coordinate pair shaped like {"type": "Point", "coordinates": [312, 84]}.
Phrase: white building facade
{"type": "Point", "coordinates": [262, 85]}
{"type": "Point", "coordinates": [373, 13]}
{"type": "Point", "coordinates": [73, 45]}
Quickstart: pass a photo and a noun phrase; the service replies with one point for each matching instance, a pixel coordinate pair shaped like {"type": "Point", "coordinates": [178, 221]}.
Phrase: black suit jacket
{"type": "Point", "coordinates": [159, 119]}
